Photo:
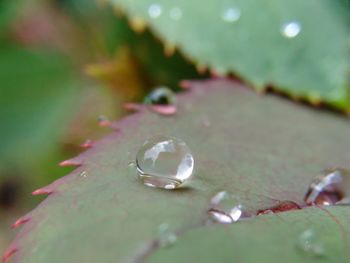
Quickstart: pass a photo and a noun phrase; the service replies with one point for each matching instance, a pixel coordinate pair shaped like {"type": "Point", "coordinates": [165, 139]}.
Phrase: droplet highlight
{"type": "Point", "coordinates": [225, 208]}
{"type": "Point", "coordinates": [231, 14]}
{"type": "Point", "coordinates": [309, 243]}
{"type": "Point", "coordinates": [291, 29]}
{"type": "Point", "coordinates": [331, 188]}
{"type": "Point", "coordinates": [166, 237]}
{"type": "Point", "coordinates": [83, 174]}
{"type": "Point", "coordinates": [161, 96]}
{"type": "Point", "coordinates": [154, 10]}
{"type": "Point", "coordinates": [164, 162]}
{"type": "Point", "coordinates": [175, 13]}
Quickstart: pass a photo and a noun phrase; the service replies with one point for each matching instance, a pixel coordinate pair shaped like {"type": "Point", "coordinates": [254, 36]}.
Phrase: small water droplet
{"type": "Point", "coordinates": [309, 243]}
{"type": "Point", "coordinates": [231, 14]}
{"type": "Point", "coordinates": [332, 188]}
{"type": "Point", "coordinates": [280, 207]}
{"type": "Point", "coordinates": [291, 29]}
{"type": "Point", "coordinates": [166, 237]}
{"type": "Point", "coordinates": [225, 208]}
{"type": "Point", "coordinates": [103, 121]}
{"type": "Point", "coordinates": [83, 174]}
{"type": "Point", "coordinates": [161, 96]}
{"type": "Point", "coordinates": [164, 162]}
{"type": "Point", "coordinates": [154, 10]}
{"type": "Point", "coordinates": [175, 13]}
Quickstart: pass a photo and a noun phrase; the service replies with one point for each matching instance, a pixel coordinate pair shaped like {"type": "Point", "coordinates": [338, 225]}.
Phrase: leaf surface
{"type": "Point", "coordinates": [261, 149]}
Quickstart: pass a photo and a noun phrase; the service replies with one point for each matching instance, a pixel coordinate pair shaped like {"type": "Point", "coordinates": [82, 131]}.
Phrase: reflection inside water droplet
{"type": "Point", "coordinates": [164, 162]}
{"type": "Point", "coordinates": [166, 237]}
{"type": "Point", "coordinates": [154, 10]}
{"type": "Point", "coordinates": [225, 208]}
{"type": "Point", "coordinates": [310, 243]}
{"type": "Point", "coordinates": [291, 29]}
{"type": "Point", "coordinates": [333, 187]}
{"type": "Point", "coordinates": [175, 13]}
{"type": "Point", "coordinates": [231, 14]}
{"type": "Point", "coordinates": [161, 96]}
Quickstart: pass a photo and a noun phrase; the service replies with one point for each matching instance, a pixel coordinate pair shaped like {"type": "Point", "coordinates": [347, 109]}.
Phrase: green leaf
{"type": "Point", "coordinates": [260, 149]}
{"type": "Point", "coordinates": [314, 64]}
{"type": "Point", "coordinates": [36, 96]}
{"type": "Point", "coordinates": [8, 12]}
{"type": "Point", "coordinates": [267, 239]}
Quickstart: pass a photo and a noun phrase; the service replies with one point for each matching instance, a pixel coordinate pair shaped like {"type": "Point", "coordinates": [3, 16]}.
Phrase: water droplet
{"type": "Point", "coordinates": [154, 10]}
{"type": "Point", "coordinates": [83, 174]}
{"type": "Point", "coordinates": [175, 13]}
{"type": "Point", "coordinates": [103, 121]}
{"type": "Point", "coordinates": [333, 187]}
{"type": "Point", "coordinates": [231, 14]}
{"type": "Point", "coordinates": [164, 162]}
{"type": "Point", "coordinates": [291, 29]}
{"type": "Point", "coordinates": [225, 208]}
{"type": "Point", "coordinates": [309, 243]}
{"type": "Point", "coordinates": [280, 207]}
{"type": "Point", "coordinates": [161, 96]}
{"type": "Point", "coordinates": [166, 237]}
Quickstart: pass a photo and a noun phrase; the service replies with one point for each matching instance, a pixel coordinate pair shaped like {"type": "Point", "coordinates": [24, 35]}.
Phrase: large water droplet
{"type": "Point", "coordinates": [166, 237]}
{"type": "Point", "coordinates": [231, 14]}
{"type": "Point", "coordinates": [333, 187]}
{"type": "Point", "coordinates": [154, 10]}
{"type": "Point", "coordinates": [291, 29]}
{"type": "Point", "coordinates": [225, 208]}
{"type": "Point", "coordinates": [309, 243]}
{"type": "Point", "coordinates": [175, 13]}
{"type": "Point", "coordinates": [164, 162]}
{"type": "Point", "coordinates": [161, 96]}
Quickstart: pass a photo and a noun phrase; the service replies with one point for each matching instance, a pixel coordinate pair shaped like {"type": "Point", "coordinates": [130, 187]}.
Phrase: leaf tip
{"type": "Point", "coordinates": [42, 191]}
{"type": "Point", "coordinates": [69, 162]}
{"type": "Point", "coordinates": [169, 49]}
{"type": "Point", "coordinates": [8, 253]}
{"type": "Point", "coordinates": [20, 221]}
{"type": "Point", "coordinates": [132, 106]}
{"type": "Point", "coordinates": [138, 24]}
{"type": "Point", "coordinates": [164, 110]}
{"type": "Point", "coordinates": [185, 84]}
{"type": "Point", "coordinates": [201, 68]}
{"type": "Point", "coordinates": [87, 144]}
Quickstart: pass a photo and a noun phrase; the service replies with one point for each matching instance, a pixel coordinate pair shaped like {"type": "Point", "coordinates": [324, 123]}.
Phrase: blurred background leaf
{"type": "Point", "coordinates": [270, 44]}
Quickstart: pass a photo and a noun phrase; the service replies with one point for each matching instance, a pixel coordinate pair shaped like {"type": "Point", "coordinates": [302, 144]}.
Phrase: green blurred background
{"type": "Point", "coordinates": [64, 63]}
